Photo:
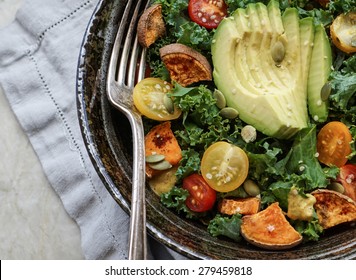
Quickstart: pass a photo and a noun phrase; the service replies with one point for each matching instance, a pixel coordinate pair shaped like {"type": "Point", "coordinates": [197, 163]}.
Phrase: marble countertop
{"type": "Point", "coordinates": [34, 224]}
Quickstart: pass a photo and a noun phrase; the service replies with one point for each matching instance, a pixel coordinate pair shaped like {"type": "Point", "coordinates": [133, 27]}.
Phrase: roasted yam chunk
{"type": "Point", "coordinates": [333, 208]}
{"type": "Point", "coordinates": [269, 229]}
{"type": "Point", "coordinates": [160, 140]}
{"type": "Point", "coordinates": [185, 65]}
{"type": "Point", "coordinates": [150, 26]}
{"type": "Point", "coordinates": [243, 206]}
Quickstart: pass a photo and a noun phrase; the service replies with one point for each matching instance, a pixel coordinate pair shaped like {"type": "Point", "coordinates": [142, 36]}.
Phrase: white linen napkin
{"type": "Point", "coordinates": [38, 62]}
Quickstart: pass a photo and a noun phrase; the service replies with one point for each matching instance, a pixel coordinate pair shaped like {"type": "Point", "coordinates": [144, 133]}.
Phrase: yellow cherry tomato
{"type": "Point", "coordinates": [151, 100]}
{"type": "Point", "coordinates": [224, 166]}
{"type": "Point", "coordinates": [343, 32]}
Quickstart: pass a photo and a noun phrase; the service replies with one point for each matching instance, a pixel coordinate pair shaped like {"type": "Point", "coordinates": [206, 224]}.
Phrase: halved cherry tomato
{"type": "Point", "coordinates": [333, 144]}
{"type": "Point", "coordinates": [201, 197]}
{"type": "Point", "coordinates": [151, 100]}
{"type": "Point", "coordinates": [224, 166]}
{"type": "Point", "coordinates": [347, 178]}
{"type": "Point", "coordinates": [207, 13]}
{"type": "Point", "coordinates": [343, 32]}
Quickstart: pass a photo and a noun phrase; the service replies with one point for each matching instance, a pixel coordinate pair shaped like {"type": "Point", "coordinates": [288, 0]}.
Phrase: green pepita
{"type": "Point", "coordinates": [251, 188]}
{"type": "Point", "coordinates": [229, 113]}
{"type": "Point", "coordinates": [168, 104]}
{"type": "Point", "coordinates": [278, 52]}
{"type": "Point", "coordinates": [336, 187]}
{"type": "Point", "coordinates": [220, 99]}
{"type": "Point", "coordinates": [154, 158]}
{"type": "Point", "coordinates": [161, 165]}
{"type": "Point", "coordinates": [325, 91]}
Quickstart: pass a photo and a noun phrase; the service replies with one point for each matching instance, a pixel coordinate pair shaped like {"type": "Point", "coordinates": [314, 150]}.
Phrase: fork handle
{"type": "Point", "coordinates": [137, 235]}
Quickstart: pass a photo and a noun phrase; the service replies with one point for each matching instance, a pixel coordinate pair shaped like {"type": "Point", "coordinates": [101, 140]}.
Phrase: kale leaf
{"type": "Point", "coordinates": [311, 230]}
{"type": "Point", "coordinates": [226, 226]}
{"type": "Point", "coordinates": [342, 6]}
{"type": "Point", "coordinates": [175, 199]}
{"type": "Point", "coordinates": [202, 122]}
{"type": "Point", "coordinates": [343, 83]}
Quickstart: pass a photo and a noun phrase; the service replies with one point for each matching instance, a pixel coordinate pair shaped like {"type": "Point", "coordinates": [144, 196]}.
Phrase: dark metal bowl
{"type": "Point", "coordinates": [107, 136]}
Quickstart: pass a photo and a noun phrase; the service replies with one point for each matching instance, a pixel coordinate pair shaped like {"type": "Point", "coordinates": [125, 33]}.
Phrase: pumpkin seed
{"type": "Point", "coordinates": [251, 188]}
{"type": "Point", "coordinates": [248, 133]}
{"type": "Point", "coordinates": [336, 187]}
{"type": "Point", "coordinates": [161, 165]}
{"type": "Point", "coordinates": [325, 91]}
{"type": "Point", "coordinates": [154, 158]}
{"type": "Point", "coordinates": [220, 99]}
{"type": "Point", "coordinates": [168, 103]}
{"type": "Point", "coordinates": [278, 52]}
{"type": "Point", "coordinates": [229, 113]}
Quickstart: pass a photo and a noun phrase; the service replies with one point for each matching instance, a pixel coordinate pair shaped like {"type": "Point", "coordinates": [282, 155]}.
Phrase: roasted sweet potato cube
{"type": "Point", "coordinates": [150, 26]}
{"type": "Point", "coordinates": [270, 229]}
{"type": "Point", "coordinates": [185, 65]}
{"type": "Point", "coordinates": [160, 140]}
{"type": "Point", "coordinates": [243, 206]}
{"type": "Point", "coordinates": [333, 208]}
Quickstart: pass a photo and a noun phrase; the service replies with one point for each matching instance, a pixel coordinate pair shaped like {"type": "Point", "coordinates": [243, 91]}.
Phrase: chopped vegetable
{"type": "Point", "coordinates": [150, 26]}
{"type": "Point", "coordinates": [163, 182]}
{"type": "Point", "coordinates": [333, 144]}
{"type": "Point", "coordinates": [207, 13]}
{"type": "Point", "coordinates": [334, 208]}
{"type": "Point", "coordinates": [201, 197]}
{"type": "Point", "coordinates": [226, 226]}
{"type": "Point", "coordinates": [243, 206]}
{"type": "Point", "coordinates": [224, 166]}
{"type": "Point", "coordinates": [160, 140]}
{"type": "Point", "coordinates": [300, 206]}
{"type": "Point", "coordinates": [343, 32]}
{"type": "Point", "coordinates": [151, 99]}
{"type": "Point", "coordinates": [185, 65]}
{"type": "Point", "coordinates": [270, 229]}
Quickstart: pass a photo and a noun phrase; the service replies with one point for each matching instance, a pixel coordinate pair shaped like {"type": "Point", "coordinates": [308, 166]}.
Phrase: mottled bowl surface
{"type": "Point", "coordinates": [107, 136]}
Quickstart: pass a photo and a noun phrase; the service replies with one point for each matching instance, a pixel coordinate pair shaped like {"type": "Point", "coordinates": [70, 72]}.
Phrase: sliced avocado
{"type": "Point", "coordinates": [293, 60]}
{"type": "Point", "coordinates": [275, 17]}
{"type": "Point", "coordinates": [268, 95]}
{"type": "Point", "coordinates": [319, 71]}
{"type": "Point", "coordinates": [306, 26]}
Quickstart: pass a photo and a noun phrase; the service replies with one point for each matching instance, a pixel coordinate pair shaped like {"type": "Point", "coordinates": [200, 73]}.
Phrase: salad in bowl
{"type": "Point", "coordinates": [249, 110]}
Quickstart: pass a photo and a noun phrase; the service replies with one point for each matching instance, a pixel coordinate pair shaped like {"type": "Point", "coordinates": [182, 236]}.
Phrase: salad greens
{"type": "Point", "coordinates": [275, 165]}
{"type": "Point", "coordinates": [226, 226]}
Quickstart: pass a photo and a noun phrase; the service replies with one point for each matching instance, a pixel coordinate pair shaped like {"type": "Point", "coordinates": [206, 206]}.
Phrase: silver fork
{"type": "Point", "coordinates": [122, 73]}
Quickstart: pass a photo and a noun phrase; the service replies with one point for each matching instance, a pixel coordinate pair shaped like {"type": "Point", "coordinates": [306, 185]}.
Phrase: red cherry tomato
{"type": "Point", "coordinates": [201, 197]}
{"type": "Point", "coordinates": [347, 178]}
{"type": "Point", "coordinates": [207, 13]}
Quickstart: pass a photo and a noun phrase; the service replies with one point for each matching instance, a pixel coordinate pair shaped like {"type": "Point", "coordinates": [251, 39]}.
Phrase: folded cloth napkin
{"type": "Point", "coordinates": [38, 61]}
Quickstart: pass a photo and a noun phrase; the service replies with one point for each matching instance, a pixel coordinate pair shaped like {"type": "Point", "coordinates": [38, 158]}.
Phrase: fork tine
{"type": "Point", "coordinates": [131, 71]}
{"type": "Point", "coordinates": [111, 77]}
{"type": "Point", "coordinates": [136, 70]}
{"type": "Point", "coordinates": [127, 47]}
{"type": "Point", "coordinates": [142, 66]}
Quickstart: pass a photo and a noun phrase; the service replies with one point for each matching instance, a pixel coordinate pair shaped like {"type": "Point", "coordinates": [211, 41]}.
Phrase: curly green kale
{"type": "Point", "coordinates": [202, 122]}
{"type": "Point", "coordinates": [310, 230]}
{"type": "Point", "coordinates": [226, 226]}
{"type": "Point", "coordinates": [343, 96]}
